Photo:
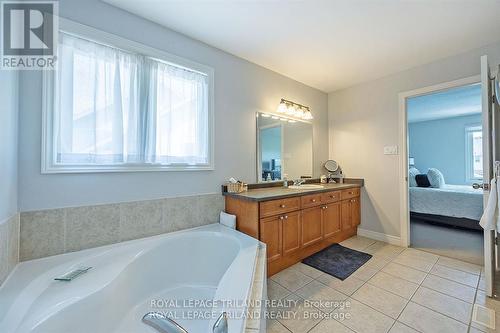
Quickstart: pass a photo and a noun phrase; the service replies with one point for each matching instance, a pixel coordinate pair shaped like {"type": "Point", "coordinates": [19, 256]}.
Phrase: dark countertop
{"type": "Point", "coordinates": [279, 192]}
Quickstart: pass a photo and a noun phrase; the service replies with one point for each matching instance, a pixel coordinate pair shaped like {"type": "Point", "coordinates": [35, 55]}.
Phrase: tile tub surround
{"type": "Point", "coordinates": [407, 290]}
{"type": "Point", "coordinates": [49, 232]}
{"type": "Point", "coordinates": [9, 246]}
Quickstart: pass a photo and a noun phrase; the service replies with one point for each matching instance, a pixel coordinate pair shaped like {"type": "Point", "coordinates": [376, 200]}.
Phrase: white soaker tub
{"type": "Point", "coordinates": [192, 276]}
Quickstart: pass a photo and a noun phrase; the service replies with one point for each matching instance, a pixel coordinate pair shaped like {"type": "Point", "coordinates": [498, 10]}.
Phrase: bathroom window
{"type": "Point", "coordinates": [114, 105]}
{"type": "Point", "coordinates": [474, 153]}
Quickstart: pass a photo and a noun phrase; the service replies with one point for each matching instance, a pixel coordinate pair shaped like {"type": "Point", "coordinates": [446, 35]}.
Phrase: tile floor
{"type": "Point", "coordinates": [398, 290]}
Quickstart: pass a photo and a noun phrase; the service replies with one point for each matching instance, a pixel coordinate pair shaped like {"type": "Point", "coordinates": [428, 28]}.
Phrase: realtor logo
{"type": "Point", "coordinates": [29, 34]}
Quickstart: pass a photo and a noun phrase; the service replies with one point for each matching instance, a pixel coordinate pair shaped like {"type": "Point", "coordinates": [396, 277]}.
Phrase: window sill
{"type": "Point", "coordinates": [124, 168]}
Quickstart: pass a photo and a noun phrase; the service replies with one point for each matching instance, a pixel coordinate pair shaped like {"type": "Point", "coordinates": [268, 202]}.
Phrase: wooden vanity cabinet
{"type": "Point", "coordinates": [294, 228]}
{"type": "Point", "coordinates": [312, 225]}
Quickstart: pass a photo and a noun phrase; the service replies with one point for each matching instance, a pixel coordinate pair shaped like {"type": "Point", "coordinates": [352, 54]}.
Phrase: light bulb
{"type": "Point", "coordinates": [282, 108]}
{"type": "Point", "coordinates": [300, 113]}
{"type": "Point", "coordinates": [308, 115]}
{"type": "Point", "coordinates": [292, 121]}
{"type": "Point", "coordinates": [291, 110]}
{"type": "Point", "coordinates": [275, 117]}
{"type": "Point", "coordinates": [265, 115]}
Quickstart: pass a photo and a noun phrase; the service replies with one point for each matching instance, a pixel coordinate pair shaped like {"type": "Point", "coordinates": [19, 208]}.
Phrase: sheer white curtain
{"type": "Point", "coordinates": [181, 116]}
{"type": "Point", "coordinates": [116, 107]}
{"type": "Point", "coordinates": [98, 104]}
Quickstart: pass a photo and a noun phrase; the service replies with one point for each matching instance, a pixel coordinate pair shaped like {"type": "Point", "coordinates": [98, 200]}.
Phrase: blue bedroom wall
{"type": "Point", "coordinates": [441, 144]}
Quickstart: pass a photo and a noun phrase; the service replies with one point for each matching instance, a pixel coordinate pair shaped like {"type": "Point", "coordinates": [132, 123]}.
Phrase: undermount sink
{"type": "Point", "coordinates": [306, 187]}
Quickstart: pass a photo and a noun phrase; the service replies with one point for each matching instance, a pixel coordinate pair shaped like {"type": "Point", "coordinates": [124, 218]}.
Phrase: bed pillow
{"type": "Point", "coordinates": [412, 173]}
{"type": "Point", "coordinates": [436, 178]}
{"type": "Point", "coordinates": [422, 180]}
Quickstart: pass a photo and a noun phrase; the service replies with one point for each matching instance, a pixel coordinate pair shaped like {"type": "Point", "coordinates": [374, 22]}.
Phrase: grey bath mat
{"type": "Point", "coordinates": [337, 260]}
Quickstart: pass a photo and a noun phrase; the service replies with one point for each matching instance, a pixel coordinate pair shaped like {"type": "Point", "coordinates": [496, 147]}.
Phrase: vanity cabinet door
{"type": "Point", "coordinates": [331, 219]}
{"type": "Point", "coordinates": [346, 213]}
{"type": "Point", "coordinates": [355, 212]}
{"type": "Point", "coordinates": [312, 226]}
{"type": "Point", "coordinates": [291, 232]}
{"type": "Point", "coordinates": [271, 234]}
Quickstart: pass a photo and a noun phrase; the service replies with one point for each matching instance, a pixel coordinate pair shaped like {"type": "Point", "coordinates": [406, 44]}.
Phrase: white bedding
{"type": "Point", "coordinates": [450, 200]}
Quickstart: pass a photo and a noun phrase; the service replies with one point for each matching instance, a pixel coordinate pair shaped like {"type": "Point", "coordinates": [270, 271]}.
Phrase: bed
{"type": "Point", "coordinates": [452, 205]}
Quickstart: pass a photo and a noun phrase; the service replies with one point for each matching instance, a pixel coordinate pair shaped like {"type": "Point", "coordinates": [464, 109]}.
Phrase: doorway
{"type": "Point", "coordinates": [442, 152]}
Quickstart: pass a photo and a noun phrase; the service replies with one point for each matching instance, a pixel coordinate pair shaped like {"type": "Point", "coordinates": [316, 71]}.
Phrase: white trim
{"type": "Point", "coordinates": [394, 240]}
{"type": "Point", "coordinates": [48, 92]}
{"type": "Point", "coordinates": [404, 210]}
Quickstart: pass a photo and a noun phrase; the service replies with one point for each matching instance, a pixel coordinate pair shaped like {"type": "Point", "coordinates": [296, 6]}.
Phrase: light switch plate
{"type": "Point", "coordinates": [390, 150]}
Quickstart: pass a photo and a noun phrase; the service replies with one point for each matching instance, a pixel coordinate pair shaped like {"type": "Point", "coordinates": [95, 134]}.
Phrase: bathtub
{"type": "Point", "coordinates": [192, 276]}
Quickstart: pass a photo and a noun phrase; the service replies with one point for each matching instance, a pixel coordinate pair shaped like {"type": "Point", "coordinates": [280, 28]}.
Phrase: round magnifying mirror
{"type": "Point", "coordinates": [331, 165]}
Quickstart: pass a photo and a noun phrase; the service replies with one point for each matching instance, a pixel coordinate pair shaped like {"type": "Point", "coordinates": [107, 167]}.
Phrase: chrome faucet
{"type": "Point", "coordinates": [162, 323]}
{"type": "Point", "coordinates": [298, 182]}
{"type": "Point", "coordinates": [220, 325]}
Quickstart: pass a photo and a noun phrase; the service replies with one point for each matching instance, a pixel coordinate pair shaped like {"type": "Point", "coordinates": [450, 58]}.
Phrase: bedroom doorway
{"type": "Point", "coordinates": [445, 169]}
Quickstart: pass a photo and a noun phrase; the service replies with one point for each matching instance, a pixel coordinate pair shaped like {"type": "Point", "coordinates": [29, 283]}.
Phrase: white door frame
{"type": "Point", "coordinates": [403, 144]}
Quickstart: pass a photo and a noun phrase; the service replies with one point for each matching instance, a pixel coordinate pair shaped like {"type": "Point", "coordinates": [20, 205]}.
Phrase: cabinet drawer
{"type": "Point", "coordinates": [330, 197]}
{"type": "Point", "coordinates": [350, 193]}
{"type": "Point", "coordinates": [311, 200]}
{"type": "Point", "coordinates": [279, 206]}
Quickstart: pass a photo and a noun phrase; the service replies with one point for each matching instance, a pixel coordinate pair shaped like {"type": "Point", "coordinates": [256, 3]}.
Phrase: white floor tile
{"type": "Point", "coordinates": [381, 300]}
{"type": "Point", "coordinates": [363, 319]}
{"type": "Point", "coordinates": [307, 270]}
{"type": "Point", "coordinates": [427, 321]}
{"type": "Point", "coordinates": [460, 265]}
{"type": "Point", "coordinates": [364, 273]}
{"type": "Point", "coordinates": [447, 305]}
{"type": "Point", "coordinates": [291, 279]}
{"type": "Point", "coordinates": [302, 319]}
{"type": "Point", "coordinates": [468, 279]}
{"type": "Point", "coordinates": [414, 260]}
{"type": "Point", "coordinates": [405, 272]}
{"type": "Point", "coordinates": [393, 284]}
{"type": "Point", "coordinates": [347, 286]}
{"type": "Point", "coordinates": [276, 291]}
{"type": "Point", "coordinates": [448, 287]}
{"type": "Point", "coordinates": [330, 326]}
{"type": "Point", "coordinates": [321, 296]}
{"type": "Point", "coordinates": [401, 328]}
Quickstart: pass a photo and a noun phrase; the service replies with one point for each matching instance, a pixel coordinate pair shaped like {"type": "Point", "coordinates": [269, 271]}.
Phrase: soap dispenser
{"type": "Point", "coordinates": [285, 180]}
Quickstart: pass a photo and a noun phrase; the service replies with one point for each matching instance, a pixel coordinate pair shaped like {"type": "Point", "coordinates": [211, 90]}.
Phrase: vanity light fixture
{"type": "Point", "coordinates": [265, 115]}
{"type": "Point", "coordinates": [295, 110]}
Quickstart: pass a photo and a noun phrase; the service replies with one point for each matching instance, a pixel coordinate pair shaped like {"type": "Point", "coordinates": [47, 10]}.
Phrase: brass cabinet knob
{"type": "Point", "coordinates": [281, 217]}
{"type": "Point", "coordinates": [313, 200]}
{"type": "Point", "coordinates": [286, 217]}
{"type": "Point", "coordinates": [282, 206]}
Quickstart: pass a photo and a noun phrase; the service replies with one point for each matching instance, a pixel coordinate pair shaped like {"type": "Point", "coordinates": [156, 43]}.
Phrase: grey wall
{"type": "Point", "coordinates": [8, 143]}
{"type": "Point", "coordinates": [441, 144]}
{"type": "Point", "coordinates": [241, 89]}
{"type": "Point", "coordinates": [364, 118]}
{"type": "Point", "coordinates": [9, 218]}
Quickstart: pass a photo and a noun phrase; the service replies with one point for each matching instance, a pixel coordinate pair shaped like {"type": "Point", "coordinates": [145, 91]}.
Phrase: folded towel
{"type": "Point", "coordinates": [228, 220]}
{"type": "Point", "coordinates": [489, 220]}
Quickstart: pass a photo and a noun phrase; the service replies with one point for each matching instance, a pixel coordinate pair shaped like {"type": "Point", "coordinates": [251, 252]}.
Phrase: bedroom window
{"type": "Point", "coordinates": [474, 153]}
{"type": "Point", "coordinates": [114, 105]}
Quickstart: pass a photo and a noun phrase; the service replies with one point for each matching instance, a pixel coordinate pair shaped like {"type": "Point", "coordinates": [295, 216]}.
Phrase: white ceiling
{"type": "Point", "coordinates": [331, 44]}
{"type": "Point", "coordinates": [450, 103]}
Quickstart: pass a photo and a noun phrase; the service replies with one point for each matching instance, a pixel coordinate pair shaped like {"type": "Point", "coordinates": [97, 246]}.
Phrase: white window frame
{"type": "Point", "coordinates": [49, 93]}
{"type": "Point", "coordinates": [469, 163]}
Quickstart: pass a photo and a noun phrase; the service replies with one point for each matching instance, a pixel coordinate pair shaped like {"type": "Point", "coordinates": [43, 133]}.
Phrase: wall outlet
{"type": "Point", "coordinates": [390, 150]}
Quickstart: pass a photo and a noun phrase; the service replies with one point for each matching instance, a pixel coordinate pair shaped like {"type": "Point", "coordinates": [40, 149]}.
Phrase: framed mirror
{"type": "Point", "coordinates": [284, 147]}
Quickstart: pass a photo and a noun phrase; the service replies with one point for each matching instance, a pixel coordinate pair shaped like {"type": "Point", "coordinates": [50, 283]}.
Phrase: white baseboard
{"type": "Point", "coordinates": [394, 240]}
